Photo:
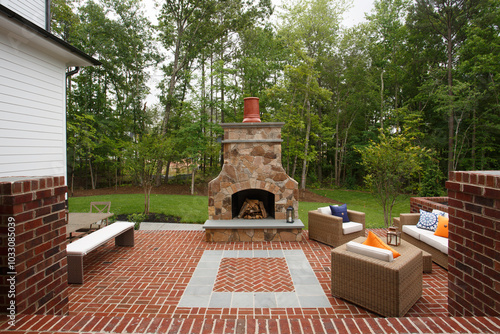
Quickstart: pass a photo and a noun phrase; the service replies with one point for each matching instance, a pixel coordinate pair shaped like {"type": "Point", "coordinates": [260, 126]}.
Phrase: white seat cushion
{"type": "Point", "coordinates": [434, 241]}
{"type": "Point", "coordinates": [414, 231]}
{"type": "Point", "coordinates": [351, 227]}
{"type": "Point", "coordinates": [370, 251]}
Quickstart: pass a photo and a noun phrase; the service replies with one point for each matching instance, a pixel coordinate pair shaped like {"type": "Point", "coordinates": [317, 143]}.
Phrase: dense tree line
{"type": "Point", "coordinates": [427, 72]}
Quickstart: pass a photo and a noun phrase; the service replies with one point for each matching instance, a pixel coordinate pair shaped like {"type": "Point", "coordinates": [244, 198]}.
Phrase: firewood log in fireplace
{"type": "Point", "coordinates": [253, 209]}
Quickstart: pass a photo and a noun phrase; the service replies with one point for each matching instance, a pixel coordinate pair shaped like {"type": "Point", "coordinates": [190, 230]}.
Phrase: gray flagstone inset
{"type": "Point", "coordinates": [307, 293]}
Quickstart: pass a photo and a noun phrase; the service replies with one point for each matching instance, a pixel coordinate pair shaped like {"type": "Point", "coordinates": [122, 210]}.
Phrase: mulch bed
{"type": "Point", "coordinates": [152, 218]}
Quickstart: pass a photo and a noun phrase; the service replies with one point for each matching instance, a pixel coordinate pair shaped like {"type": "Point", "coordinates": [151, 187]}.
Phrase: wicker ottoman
{"type": "Point", "coordinates": [386, 288]}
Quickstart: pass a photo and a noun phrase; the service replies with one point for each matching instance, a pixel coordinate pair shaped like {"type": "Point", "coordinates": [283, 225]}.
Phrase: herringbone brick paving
{"type": "Point", "coordinates": [253, 275]}
{"type": "Point", "coordinates": [136, 290]}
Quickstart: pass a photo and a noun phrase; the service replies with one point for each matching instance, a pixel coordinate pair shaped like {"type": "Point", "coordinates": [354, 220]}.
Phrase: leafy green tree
{"type": "Point", "coordinates": [389, 35]}
{"type": "Point", "coordinates": [391, 164]}
{"type": "Point", "coordinates": [109, 97]}
{"type": "Point", "coordinates": [142, 159]}
{"type": "Point", "coordinates": [347, 75]}
{"type": "Point", "coordinates": [479, 71]}
{"type": "Point", "coordinates": [63, 19]}
{"type": "Point", "coordinates": [311, 29]}
{"type": "Point", "coordinates": [186, 28]}
{"type": "Point", "coordinates": [448, 20]}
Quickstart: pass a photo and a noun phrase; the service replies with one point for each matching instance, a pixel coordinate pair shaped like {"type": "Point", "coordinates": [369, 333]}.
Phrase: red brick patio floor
{"type": "Point", "coordinates": [137, 290]}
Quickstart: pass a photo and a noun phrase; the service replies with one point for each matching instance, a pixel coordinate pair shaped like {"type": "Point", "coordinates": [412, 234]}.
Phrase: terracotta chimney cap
{"type": "Point", "coordinates": [251, 110]}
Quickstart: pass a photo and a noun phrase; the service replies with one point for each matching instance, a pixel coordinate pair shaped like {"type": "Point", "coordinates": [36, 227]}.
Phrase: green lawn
{"type": "Point", "coordinates": [194, 209]}
{"type": "Point", "coordinates": [191, 209]}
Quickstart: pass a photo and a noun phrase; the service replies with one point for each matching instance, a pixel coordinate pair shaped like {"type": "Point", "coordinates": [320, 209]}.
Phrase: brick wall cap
{"type": "Point", "coordinates": [14, 179]}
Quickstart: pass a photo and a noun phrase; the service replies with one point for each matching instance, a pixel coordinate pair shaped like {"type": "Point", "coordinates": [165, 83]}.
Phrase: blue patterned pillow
{"type": "Point", "coordinates": [427, 221]}
{"type": "Point", "coordinates": [340, 211]}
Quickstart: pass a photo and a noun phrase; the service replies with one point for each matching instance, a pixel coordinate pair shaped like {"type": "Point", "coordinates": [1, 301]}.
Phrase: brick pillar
{"type": "Point", "coordinates": [36, 282]}
{"type": "Point", "coordinates": [474, 243]}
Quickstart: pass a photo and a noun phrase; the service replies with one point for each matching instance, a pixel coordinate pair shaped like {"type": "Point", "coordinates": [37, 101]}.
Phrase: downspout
{"type": "Point", "coordinates": [68, 87]}
{"type": "Point", "coordinates": [48, 18]}
{"type": "Point", "coordinates": [73, 72]}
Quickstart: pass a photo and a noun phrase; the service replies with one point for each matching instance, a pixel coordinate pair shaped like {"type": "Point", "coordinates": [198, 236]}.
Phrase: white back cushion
{"type": "Point", "coordinates": [373, 252]}
{"type": "Point", "coordinates": [326, 210]}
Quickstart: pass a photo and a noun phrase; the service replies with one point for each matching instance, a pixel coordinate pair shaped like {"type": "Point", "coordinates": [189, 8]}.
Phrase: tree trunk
{"type": "Point", "coordinates": [306, 148]}
{"type": "Point", "coordinates": [92, 180]}
{"type": "Point", "coordinates": [116, 177]}
{"type": "Point", "coordinates": [319, 165]}
{"type": "Point", "coordinates": [192, 179]}
{"type": "Point", "coordinates": [167, 171]}
{"type": "Point", "coordinates": [147, 196]}
{"type": "Point", "coordinates": [294, 166]}
{"type": "Point", "coordinates": [382, 99]}
{"type": "Point", "coordinates": [451, 116]}
{"type": "Point", "coordinates": [473, 144]}
{"type": "Point", "coordinates": [337, 144]}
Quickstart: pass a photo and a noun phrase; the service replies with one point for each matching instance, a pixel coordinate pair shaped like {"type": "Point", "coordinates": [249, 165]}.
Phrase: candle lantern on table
{"type": "Point", "coordinates": [290, 213]}
{"type": "Point", "coordinates": [393, 236]}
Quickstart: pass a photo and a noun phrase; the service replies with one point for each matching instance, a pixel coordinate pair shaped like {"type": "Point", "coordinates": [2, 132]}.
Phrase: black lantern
{"type": "Point", "coordinates": [393, 236]}
{"type": "Point", "coordinates": [290, 213]}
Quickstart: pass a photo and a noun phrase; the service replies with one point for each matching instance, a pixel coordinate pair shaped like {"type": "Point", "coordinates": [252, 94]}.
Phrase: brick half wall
{"type": "Point", "coordinates": [428, 204]}
{"type": "Point", "coordinates": [35, 208]}
{"type": "Point", "coordinates": [474, 243]}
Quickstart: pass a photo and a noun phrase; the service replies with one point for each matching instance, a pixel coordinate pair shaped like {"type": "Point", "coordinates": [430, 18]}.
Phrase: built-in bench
{"type": "Point", "coordinates": [123, 233]}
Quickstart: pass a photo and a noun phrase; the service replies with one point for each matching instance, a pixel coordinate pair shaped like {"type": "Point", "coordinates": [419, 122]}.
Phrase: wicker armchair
{"type": "Point", "coordinates": [386, 288]}
{"type": "Point", "coordinates": [328, 229]}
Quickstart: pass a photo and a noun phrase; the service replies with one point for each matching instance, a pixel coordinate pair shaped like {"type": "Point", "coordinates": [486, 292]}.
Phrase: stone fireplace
{"type": "Point", "coordinates": [252, 170]}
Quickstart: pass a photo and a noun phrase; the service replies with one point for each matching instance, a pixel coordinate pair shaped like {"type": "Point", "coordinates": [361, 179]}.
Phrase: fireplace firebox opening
{"type": "Point", "coordinates": [266, 197]}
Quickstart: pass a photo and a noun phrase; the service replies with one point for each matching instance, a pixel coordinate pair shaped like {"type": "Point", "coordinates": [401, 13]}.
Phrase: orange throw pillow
{"type": "Point", "coordinates": [374, 241]}
{"type": "Point", "coordinates": [442, 228]}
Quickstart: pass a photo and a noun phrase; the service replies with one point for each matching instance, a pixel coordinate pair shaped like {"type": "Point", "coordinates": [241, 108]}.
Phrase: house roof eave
{"type": "Point", "coordinates": [22, 30]}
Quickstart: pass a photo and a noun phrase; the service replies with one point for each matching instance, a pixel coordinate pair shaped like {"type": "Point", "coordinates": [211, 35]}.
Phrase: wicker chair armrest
{"type": "Point", "coordinates": [322, 218]}
{"type": "Point", "coordinates": [356, 216]}
{"type": "Point", "coordinates": [409, 218]}
{"type": "Point", "coordinates": [397, 222]}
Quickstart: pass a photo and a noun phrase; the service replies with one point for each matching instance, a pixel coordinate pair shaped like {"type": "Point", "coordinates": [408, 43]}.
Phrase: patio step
{"type": "Point", "coordinates": [301, 324]}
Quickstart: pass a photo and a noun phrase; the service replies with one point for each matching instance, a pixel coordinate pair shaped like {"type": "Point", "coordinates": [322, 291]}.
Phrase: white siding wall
{"type": "Point", "coordinates": [32, 111]}
{"type": "Point", "coordinates": [33, 10]}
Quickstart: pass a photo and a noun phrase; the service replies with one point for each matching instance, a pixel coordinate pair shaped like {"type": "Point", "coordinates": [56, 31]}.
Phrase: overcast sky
{"type": "Point", "coordinates": [354, 16]}
{"type": "Point", "coordinates": [357, 13]}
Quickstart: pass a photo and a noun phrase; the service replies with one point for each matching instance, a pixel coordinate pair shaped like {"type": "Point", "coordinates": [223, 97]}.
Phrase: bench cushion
{"type": "Point", "coordinates": [414, 231]}
{"type": "Point", "coordinates": [436, 242]}
{"type": "Point", "coordinates": [90, 242]}
{"type": "Point", "coordinates": [428, 237]}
